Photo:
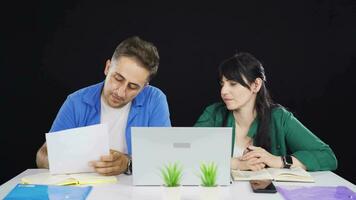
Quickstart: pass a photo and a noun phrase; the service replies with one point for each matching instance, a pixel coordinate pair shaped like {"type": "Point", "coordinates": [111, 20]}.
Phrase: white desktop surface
{"type": "Point", "coordinates": [124, 190]}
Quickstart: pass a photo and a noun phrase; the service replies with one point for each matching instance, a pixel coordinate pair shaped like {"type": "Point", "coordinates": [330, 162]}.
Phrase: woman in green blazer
{"type": "Point", "coordinates": [264, 134]}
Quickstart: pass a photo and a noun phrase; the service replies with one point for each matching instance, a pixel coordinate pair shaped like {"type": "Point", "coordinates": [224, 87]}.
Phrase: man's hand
{"type": "Point", "coordinates": [42, 157]}
{"type": "Point", "coordinates": [113, 164]}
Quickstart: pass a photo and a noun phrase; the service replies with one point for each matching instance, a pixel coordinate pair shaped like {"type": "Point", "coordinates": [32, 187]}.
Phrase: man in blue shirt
{"type": "Point", "coordinates": [123, 100]}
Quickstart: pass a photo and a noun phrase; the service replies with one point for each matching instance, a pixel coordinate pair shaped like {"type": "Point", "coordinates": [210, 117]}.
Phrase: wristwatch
{"type": "Point", "coordinates": [129, 167]}
{"type": "Point", "coordinates": [287, 161]}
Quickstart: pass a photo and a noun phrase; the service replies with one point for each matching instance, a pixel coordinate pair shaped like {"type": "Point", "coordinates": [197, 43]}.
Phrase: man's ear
{"type": "Point", "coordinates": [256, 85]}
{"type": "Point", "coordinates": [107, 67]}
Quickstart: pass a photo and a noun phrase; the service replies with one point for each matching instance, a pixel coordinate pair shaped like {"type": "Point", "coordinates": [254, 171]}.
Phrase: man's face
{"type": "Point", "coordinates": [125, 78]}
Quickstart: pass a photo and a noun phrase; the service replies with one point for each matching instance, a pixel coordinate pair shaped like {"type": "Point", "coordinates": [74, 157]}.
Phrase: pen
{"type": "Point", "coordinates": [247, 150]}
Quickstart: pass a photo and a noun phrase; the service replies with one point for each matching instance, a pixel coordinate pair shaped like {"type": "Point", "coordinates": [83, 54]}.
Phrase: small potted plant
{"type": "Point", "coordinates": [172, 175]}
{"type": "Point", "coordinates": [208, 177]}
{"type": "Point", "coordinates": [208, 174]}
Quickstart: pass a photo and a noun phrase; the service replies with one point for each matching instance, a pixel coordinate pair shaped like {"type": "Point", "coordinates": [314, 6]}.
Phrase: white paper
{"type": "Point", "coordinates": [71, 150]}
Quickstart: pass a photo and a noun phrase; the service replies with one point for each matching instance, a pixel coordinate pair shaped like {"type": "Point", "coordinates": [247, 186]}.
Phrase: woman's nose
{"type": "Point", "coordinates": [223, 90]}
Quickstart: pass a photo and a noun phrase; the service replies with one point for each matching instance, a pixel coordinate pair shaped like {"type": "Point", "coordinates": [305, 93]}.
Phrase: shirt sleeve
{"type": "Point", "coordinates": [160, 113]}
{"type": "Point", "coordinates": [207, 119]}
{"type": "Point", "coordinates": [307, 147]}
{"type": "Point", "coordinates": [65, 118]}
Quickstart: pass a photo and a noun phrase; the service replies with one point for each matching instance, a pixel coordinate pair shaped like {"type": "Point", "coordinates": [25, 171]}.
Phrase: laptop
{"type": "Point", "coordinates": [153, 148]}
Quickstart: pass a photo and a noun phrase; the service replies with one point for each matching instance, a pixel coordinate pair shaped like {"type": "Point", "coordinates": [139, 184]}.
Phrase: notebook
{"type": "Point", "coordinates": [295, 174]}
{"type": "Point", "coordinates": [46, 192]}
{"type": "Point", "coordinates": [68, 179]}
{"type": "Point", "coordinates": [156, 147]}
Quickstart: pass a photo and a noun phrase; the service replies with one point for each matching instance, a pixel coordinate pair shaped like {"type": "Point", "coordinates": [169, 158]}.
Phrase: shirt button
{"type": "Point", "coordinates": [278, 146]}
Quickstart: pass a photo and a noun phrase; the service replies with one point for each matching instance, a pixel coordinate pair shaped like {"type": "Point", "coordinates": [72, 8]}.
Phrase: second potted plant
{"type": "Point", "coordinates": [208, 174]}
{"type": "Point", "coordinates": [208, 177]}
{"type": "Point", "coordinates": [172, 175]}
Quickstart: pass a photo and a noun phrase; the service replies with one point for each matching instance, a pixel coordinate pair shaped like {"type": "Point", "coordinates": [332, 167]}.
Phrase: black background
{"type": "Point", "coordinates": [52, 48]}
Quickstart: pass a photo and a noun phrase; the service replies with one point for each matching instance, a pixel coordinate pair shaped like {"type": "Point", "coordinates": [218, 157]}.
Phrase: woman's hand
{"type": "Point", "coordinates": [257, 155]}
{"type": "Point", "coordinates": [251, 164]}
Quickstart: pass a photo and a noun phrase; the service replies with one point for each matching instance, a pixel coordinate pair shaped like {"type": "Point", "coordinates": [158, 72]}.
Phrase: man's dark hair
{"type": "Point", "coordinates": [140, 49]}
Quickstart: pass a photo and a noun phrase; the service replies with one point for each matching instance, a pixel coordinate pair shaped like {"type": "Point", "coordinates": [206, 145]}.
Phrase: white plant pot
{"type": "Point", "coordinates": [171, 193]}
{"type": "Point", "coordinates": [209, 193]}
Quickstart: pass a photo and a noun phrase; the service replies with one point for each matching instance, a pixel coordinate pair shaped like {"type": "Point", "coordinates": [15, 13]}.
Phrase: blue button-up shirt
{"type": "Point", "coordinates": [83, 108]}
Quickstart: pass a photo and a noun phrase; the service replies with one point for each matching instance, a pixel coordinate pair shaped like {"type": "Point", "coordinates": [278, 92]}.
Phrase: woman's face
{"type": "Point", "coordinates": [235, 95]}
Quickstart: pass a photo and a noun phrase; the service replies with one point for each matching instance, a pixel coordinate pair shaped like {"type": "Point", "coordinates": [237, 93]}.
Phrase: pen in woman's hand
{"type": "Point", "coordinates": [246, 150]}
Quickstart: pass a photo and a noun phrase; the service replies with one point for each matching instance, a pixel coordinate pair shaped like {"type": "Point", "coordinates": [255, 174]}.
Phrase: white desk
{"type": "Point", "coordinates": [124, 190]}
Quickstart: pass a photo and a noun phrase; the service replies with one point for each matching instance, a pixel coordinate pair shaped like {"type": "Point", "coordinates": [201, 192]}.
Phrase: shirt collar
{"type": "Point", "coordinates": [92, 97]}
{"type": "Point", "coordinates": [140, 98]}
{"type": "Point", "coordinates": [253, 129]}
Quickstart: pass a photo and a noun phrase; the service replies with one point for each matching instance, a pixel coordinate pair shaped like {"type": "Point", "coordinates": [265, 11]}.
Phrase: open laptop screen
{"type": "Point", "coordinates": [155, 147]}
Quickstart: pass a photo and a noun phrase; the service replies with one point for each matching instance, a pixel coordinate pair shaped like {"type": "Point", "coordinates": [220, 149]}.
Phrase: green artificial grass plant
{"type": "Point", "coordinates": [208, 174]}
{"type": "Point", "coordinates": [172, 175]}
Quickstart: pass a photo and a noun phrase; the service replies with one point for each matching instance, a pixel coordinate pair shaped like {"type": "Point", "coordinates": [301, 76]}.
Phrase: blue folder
{"type": "Point", "coordinates": [48, 192]}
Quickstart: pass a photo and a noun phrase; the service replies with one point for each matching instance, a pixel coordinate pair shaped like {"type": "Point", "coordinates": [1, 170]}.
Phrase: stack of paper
{"type": "Point", "coordinates": [71, 150]}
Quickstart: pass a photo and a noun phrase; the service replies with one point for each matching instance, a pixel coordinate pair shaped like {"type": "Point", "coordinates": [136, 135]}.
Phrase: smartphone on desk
{"type": "Point", "coordinates": [262, 186]}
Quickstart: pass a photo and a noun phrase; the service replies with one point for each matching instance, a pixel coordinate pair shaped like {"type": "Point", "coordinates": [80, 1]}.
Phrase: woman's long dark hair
{"type": "Point", "coordinates": [245, 66]}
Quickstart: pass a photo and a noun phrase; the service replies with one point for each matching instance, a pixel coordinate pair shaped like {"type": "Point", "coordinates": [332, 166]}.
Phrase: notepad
{"type": "Point", "coordinates": [68, 179]}
{"type": "Point", "coordinates": [45, 192]}
{"type": "Point", "coordinates": [296, 174]}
